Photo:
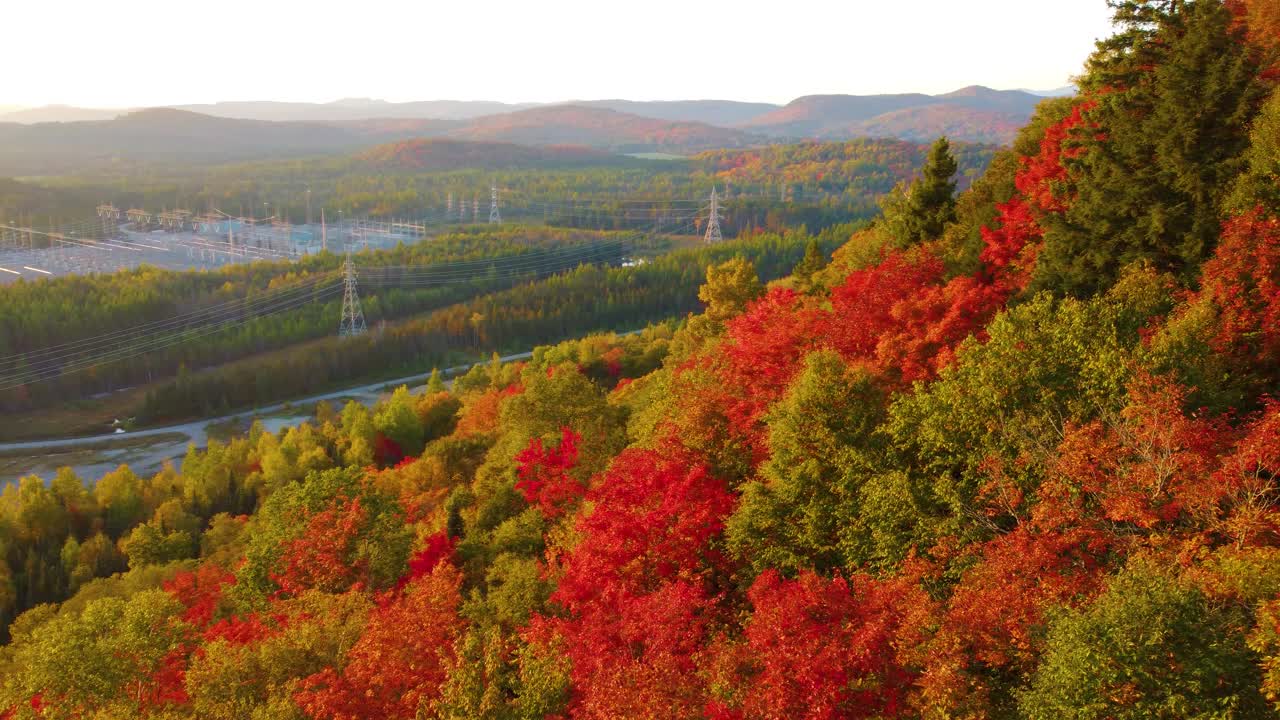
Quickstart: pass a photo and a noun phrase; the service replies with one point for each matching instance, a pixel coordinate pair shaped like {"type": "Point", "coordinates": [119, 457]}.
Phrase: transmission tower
{"type": "Point", "coordinates": [494, 216]}
{"type": "Point", "coordinates": [713, 221]}
{"type": "Point", "coordinates": [352, 315]}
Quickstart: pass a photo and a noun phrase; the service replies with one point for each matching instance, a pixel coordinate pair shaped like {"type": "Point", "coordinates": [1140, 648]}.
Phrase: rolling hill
{"type": "Point", "coordinates": [167, 135]}
{"type": "Point", "coordinates": [602, 129]}
{"type": "Point", "coordinates": [972, 114]}
{"type": "Point", "coordinates": [818, 115]}
{"type": "Point", "coordinates": [726, 113]}
{"type": "Point", "coordinates": [712, 112]}
{"type": "Point", "coordinates": [926, 123]}
{"type": "Point", "coordinates": [438, 154]}
{"type": "Point", "coordinates": [101, 141]}
{"type": "Point", "coordinates": [354, 109]}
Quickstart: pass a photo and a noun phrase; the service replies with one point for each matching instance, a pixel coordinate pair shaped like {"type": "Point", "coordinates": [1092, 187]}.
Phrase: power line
{"type": "Point", "coordinates": [250, 312]}
{"type": "Point", "coordinates": [461, 271]}
{"type": "Point", "coordinates": [24, 378]}
{"type": "Point", "coordinates": [53, 365]}
{"type": "Point", "coordinates": [74, 356]}
{"type": "Point", "coordinates": [210, 313]}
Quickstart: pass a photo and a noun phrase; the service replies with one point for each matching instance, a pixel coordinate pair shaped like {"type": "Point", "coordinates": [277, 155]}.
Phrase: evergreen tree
{"type": "Point", "coordinates": [924, 211]}
{"type": "Point", "coordinates": [933, 200]}
{"type": "Point", "coordinates": [1175, 92]}
{"type": "Point", "coordinates": [813, 261]}
{"type": "Point", "coordinates": [434, 383]}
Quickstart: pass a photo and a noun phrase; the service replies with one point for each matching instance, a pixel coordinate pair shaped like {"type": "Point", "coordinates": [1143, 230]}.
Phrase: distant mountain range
{"type": "Point", "coordinates": [167, 135]}
{"type": "Point", "coordinates": [713, 112]}
{"type": "Point", "coordinates": [973, 114]}
{"type": "Point", "coordinates": [725, 113]}
{"type": "Point", "coordinates": [603, 129]}
{"type": "Point", "coordinates": [353, 109]}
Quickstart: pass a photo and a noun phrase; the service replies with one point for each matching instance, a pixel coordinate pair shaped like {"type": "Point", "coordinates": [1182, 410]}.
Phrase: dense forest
{"type": "Point", "coordinates": [54, 328]}
{"type": "Point", "coordinates": [587, 299]}
{"type": "Point", "coordinates": [1008, 453]}
{"type": "Point", "coordinates": [461, 297]}
{"type": "Point", "coordinates": [812, 184]}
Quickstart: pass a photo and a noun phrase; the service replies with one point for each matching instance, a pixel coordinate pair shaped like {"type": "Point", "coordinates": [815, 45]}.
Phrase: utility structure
{"type": "Point", "coordinates": [173, 219]}
{"type": "Point", "coordinates": [495, 218]}
{"type": "Point", "coordinates": [109, 214]}
{"type": "Point", "coordinates": [352, 316]}
{"type": "Point", "coordinates": [713, 221]}
{"type": "Point", "coordinates": [138, 217]}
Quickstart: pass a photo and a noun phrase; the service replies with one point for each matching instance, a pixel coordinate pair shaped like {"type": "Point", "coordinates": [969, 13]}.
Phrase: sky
{"type": "Point", "coordinates": [137, 53]}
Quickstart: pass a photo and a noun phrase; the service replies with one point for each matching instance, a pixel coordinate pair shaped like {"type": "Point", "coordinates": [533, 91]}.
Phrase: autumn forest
{"type": "Point", "coordinates": [1002, 445]}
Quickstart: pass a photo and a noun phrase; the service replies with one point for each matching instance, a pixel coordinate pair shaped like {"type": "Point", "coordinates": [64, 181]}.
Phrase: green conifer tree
{"type": "Point", "coordinates": [435, 384]}
{"type": "Point", "coordinates": [813, 261]}
{"type": "Point", "coordinates": [924, 210]}
{"type": "Point", "coordinates": [1176, 91]}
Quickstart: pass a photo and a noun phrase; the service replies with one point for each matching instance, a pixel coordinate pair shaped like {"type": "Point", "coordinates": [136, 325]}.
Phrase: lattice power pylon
{"type": "Point", "coordinates": [713, 221]}
{"type": "Point", "coordinates": [494, 216]}
{"type": "Point", "coordinates": [352, 315]}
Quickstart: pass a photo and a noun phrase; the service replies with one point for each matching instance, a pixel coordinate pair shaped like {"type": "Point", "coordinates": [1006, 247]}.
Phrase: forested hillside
{"type": "Point", "coordinates": [773, 187]}
{"type": "Point", "coordinates": [592, 297]}
{"type": "Point", "coordinates": [1009, 453]}
{"type": "Point", "coordinates": [601, 128]}
{"type": "Point", "coordinates": [50, 328]}
{"type": "Point", "coordinates": [162, 136]}
{"type": "Point", "coordinates": [143, 140]}
{"type": "Point", "coordinates": [973, 114]}
{"type": "Point", "coordinates": [436, 155]}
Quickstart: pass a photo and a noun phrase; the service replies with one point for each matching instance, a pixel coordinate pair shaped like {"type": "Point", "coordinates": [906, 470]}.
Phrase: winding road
{"type": "Point", "coordinates": [171, 441]}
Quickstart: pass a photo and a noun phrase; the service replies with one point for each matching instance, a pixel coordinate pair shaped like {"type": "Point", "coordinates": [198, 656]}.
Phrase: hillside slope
{"type": "Point", "coordinates": [1008, 454]}
{"type": "Point", "coordinates": [725, 113]}
{"type": "Point", "coordinates": [441, 154]}
{"type": "Point", "coordinates": [167, 135]}
{"type": "Point", "coordinates": [354, 109]}
{"type": "Point", "coordinates": [712, 112]}
{"type": "Point", "coordinates": [972, 114]}
{"type": "Point", "coordinates": [602, 129]}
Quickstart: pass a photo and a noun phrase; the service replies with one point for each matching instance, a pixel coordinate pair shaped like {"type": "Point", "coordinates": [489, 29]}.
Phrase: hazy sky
{"type": "Point", "coordinates": [130, 53]}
